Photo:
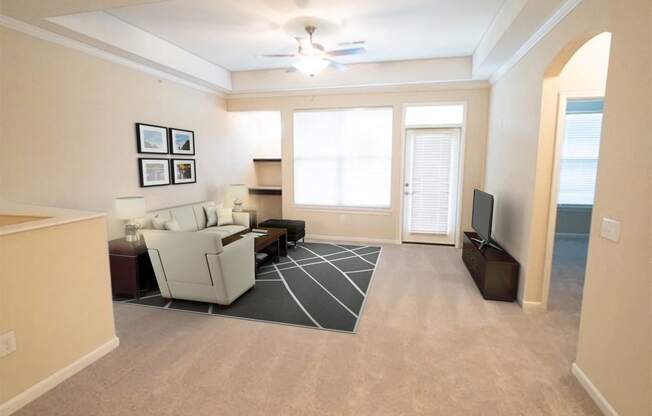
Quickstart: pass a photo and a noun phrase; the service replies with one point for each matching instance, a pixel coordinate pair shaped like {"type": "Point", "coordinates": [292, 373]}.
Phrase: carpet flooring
{"type": "Point", "coordinates": [318, 285]}
{"type": "Point", "coordinates": [428, 345]}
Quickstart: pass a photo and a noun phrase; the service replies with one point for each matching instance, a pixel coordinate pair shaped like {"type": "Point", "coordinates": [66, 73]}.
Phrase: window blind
{"type": "Point", "coordinates": [343, 158]}
{"type": "Point", "coordinates": [579, 159]}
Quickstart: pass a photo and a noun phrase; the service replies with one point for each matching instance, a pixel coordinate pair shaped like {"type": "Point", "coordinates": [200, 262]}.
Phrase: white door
{"type": "Point", "coordinates": [431, 185]}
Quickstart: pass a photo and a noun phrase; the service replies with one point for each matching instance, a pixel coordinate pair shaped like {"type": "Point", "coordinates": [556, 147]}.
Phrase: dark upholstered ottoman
{"type": "Point", "coordinates": [296, 229]}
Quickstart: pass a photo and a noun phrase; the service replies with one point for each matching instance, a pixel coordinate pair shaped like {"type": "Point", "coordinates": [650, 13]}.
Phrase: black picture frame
{"type": "Point", "coordinates": [172, 147]}
{"type": "Point", "coordinates": [141, 171]}
{"type": "Point", "coordinates": [140, 139]}
{"type": "Point", "coordinates": [173, 171]}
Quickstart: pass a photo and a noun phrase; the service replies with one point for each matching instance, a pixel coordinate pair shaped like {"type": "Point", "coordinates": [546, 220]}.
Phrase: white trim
{"type": "Point", "coordinates": [593, 391]}
{"type": "Point", "coordinates": [43, 386]}
{"type": "Point", "coordinates": [369, 89]}
{"type": "Point", "coordinates": [343, 239]}
{"type": "Point", "coordinates": [46, 35]}
{"type": "Point", "coordinates": [546, 28]}
{"type": "Point", "coordinates": [532, 306]}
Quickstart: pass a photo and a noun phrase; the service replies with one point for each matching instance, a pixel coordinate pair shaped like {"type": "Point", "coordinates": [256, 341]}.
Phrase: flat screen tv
{"type": "Point", "coordinates": [482, 218]}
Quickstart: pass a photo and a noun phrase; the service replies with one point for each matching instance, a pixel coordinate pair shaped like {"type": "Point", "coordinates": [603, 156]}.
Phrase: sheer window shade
{"type": "Point", "coordinates": [579, 160]}
{"type": "Point", "coordinates": [343, 158]}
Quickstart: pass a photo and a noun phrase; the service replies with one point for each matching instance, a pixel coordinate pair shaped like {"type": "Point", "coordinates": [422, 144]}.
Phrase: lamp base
{"type": "Point", "coordinates": [131, 233]}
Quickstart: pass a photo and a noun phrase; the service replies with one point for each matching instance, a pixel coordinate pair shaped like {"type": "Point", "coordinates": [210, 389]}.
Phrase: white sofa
{"type": "Point", "coordinates": [191, 263]}
{"type": "Point", "coordinates": [192, 217]}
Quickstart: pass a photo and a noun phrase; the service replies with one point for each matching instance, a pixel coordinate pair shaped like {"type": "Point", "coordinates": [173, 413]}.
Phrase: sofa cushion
{"type": "Point", "coordinates": [200, 213]}
{"type": "Point", "coordinates": [185, 216]}
{"type": "Point", "coordinates": [158, 221]}
{"type": "Point", "coordinates": [147, 222]}
{"type": "Point", "coordinates": [172, 225]}
{"type": "Point", "coordinates": [211, 216]}
{"type": "Point", "coordinates": [224, 230]}
{"type": "Point", "coordinates": [224, 216]}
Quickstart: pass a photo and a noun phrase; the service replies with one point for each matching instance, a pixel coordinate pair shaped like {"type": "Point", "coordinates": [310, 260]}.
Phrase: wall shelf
{"type": "Point", "coordinates": [265, 190]}
{"type": "Point", "coordinates": [267, 160]}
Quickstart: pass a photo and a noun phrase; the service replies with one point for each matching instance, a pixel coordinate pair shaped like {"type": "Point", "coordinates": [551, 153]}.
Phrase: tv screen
{"type": "Point", "coordinates": [483, 210]}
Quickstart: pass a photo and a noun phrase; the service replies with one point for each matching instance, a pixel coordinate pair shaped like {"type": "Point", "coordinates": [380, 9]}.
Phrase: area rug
{"type": "Point", "coordinates": [317, 285]}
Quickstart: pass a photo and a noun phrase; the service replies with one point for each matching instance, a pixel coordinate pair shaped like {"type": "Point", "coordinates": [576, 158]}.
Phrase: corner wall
{"type": "Point", "coordinates": [68, 135]}
{"type": "Point", "coordinates": [614, 349]}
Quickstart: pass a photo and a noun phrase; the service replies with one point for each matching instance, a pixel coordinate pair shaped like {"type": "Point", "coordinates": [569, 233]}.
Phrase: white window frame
{"type": "Point", "coordinates": [345, 209]}
{"type": "Point", "coordinates": [462, 153]}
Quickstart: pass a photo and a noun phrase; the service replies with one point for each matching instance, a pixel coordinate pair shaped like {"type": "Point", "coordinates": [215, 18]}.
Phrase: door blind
{"type": "Point", "coordinates": [430, 184]}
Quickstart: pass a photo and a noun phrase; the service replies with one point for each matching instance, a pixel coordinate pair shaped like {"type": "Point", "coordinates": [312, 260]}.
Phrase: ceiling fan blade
{"type": "Point", "coordinates": [278, 55]}
{"type": "Point", "coordinates": [352, 43]}
{"type": "Point", "coordinates": [337, 65]}
{"type": "Point", "coordinates": [350, 51]}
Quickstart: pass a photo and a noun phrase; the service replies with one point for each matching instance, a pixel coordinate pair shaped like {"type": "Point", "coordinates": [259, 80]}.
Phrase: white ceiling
{"type": "Point", "coordinates": [232, 34]}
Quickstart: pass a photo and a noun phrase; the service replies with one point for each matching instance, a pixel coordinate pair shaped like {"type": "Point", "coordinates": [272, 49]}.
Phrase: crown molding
{"type": "Point", "coordinates": [46, 35]}
{"type": "Point", "coordinates": [371, 89]}
{"type": "Point", "coordinates": [546, 28]}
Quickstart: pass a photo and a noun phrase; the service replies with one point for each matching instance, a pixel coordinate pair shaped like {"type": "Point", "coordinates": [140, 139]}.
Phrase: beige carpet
{"type": "Point", "coordinates": [427, 344]}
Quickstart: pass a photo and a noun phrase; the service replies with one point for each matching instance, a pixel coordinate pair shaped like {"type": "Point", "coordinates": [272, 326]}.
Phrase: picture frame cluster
{"type": "Point", "coordinates": [160, 140]}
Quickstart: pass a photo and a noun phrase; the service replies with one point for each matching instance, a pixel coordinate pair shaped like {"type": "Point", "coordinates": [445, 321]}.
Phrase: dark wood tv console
{"type": "Point", "coordinates": [495, 272]}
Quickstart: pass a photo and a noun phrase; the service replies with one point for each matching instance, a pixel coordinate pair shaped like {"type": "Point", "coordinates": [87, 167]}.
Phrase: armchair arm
{"type": "Point", "coordinates": [241, 218]}
{"type": "Point", "coordinates": [237, 265]}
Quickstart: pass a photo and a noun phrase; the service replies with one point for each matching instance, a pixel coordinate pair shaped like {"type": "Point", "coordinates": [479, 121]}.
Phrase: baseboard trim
{"type": "Point", "coordinates": [43, 386]}
{"type": "Point", "coordinates": [533, 306]}
{"type": "Point", "coordinates": [593, 391]}
{"type": "Point", "coordinates": [337, 238]}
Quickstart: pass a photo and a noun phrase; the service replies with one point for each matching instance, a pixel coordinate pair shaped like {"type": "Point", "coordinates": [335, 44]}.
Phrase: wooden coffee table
{"type": "Point", "coordinates": [276, 240]}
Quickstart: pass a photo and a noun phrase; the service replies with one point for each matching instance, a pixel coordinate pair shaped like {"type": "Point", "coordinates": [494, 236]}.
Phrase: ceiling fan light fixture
{"type": "Point", "coordinates": [311, 65]}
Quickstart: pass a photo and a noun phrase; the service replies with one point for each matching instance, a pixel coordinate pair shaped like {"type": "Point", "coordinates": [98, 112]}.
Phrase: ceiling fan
{"type": "Point", "coordinates": [312, 58]}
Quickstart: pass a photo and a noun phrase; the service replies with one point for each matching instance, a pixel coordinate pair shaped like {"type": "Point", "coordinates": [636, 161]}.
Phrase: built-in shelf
{"type": "Point", "coordinates": [266, 160]}
{"type": "Point", "coordinates": [265, 190]}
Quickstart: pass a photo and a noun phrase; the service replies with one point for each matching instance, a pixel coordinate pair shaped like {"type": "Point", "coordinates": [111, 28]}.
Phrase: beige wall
{"type": "Point", "coordinates": [68, 136]}
{"type": "Point", "coordinates": [376, 226]}
{"type": "Point", "coordinates": [614, 344]}
{"type": "Point", "coordinates": [57, 316]}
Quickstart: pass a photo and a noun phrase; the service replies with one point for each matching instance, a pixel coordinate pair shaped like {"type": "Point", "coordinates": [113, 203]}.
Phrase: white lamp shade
{"type": "Point", "coordinates": [129, 207]}
{"type": "Point", "coordinates": [238, 191]}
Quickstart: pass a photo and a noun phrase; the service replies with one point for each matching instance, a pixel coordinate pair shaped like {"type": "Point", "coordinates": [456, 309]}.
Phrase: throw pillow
{"type": "Point", "coordinates": [172, 225]}
{"type": "Point", "coordinates": [224, 216]}
{"type": "Point", "coordinates": [211, 216]}
{"type": "Point", "coordinates": [158, 222]}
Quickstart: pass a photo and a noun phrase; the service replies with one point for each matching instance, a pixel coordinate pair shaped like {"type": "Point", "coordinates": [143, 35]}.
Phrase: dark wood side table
{"type": "Point", "coordinates": [131, 269]}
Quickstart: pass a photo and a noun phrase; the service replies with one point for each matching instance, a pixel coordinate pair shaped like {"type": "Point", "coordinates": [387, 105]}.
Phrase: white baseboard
{"type": "Point", "coordinates": [40, 388]}
{"type": "Point", "coordinates": [532, 306]}
{"type": "Point", "coordinates": [341, 239]}
{"type": "Point", "coordinates": [593, 391]}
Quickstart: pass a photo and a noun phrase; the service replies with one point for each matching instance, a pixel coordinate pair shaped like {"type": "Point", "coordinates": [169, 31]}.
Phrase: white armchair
{"type": "Point", "coordinates": [195, 266]}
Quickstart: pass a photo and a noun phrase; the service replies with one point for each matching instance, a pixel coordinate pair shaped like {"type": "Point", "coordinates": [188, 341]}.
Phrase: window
{"type": "Point", "coordinates": [343, 158]}
{"type": "Point", "coordinates": [579, 159]}
{"type": "Point", "coordinates": [434, 115]}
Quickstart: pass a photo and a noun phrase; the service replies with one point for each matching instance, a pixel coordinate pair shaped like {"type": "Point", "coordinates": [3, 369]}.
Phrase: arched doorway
{"type": "Point", "coordinates": [574, 91]}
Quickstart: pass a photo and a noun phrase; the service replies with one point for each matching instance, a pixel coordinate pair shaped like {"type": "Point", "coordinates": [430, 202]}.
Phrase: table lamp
{"type": "Point", "coordinates": [238, 192]}
{"type": "Point", "coordinates": [129, 208]}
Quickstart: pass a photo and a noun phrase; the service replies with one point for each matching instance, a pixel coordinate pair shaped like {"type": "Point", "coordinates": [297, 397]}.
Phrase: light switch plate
{"type": "Point", "coordinates": [7, 343]}
{"type": "Point", "coordinates": [610, 229]}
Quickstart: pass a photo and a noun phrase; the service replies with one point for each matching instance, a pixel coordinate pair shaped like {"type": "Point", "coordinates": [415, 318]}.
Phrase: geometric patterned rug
{"type": "Point", "coordinates": [317, 285]}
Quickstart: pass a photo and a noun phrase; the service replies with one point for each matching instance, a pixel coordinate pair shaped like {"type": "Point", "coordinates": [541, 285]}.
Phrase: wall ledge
{"type": "Point", "coordinates": [593, 391]}
{"type": "Point", "coordinates": [48, 383]}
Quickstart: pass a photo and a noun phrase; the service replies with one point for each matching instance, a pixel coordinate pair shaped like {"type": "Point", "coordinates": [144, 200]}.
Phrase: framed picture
{"type": "Point", "coordinates": [154, 172]}
{"type": "Point", "coordinates": [182, 142]}
{"type": "Point", "coordinates": [152, 139]}
{"type": "Point", "coordinates": [183, 171]}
